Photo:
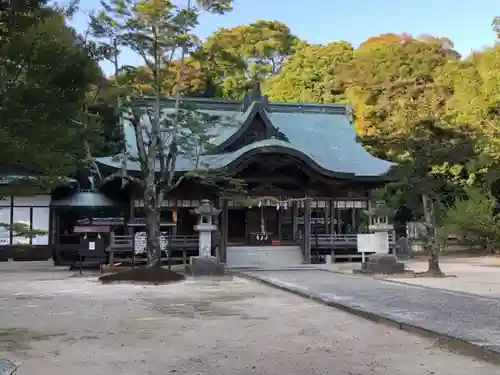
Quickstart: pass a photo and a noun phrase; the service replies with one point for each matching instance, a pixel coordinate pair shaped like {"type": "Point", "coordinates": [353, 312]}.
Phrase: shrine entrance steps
{"type": "Point", "coordinates": [264, 256]}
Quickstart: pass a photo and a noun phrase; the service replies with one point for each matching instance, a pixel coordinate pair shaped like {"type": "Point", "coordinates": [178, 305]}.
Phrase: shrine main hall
{"type": "Point", "coordinates": [305, 172]}
{"type": "Point", "coordinates": [306, 175]}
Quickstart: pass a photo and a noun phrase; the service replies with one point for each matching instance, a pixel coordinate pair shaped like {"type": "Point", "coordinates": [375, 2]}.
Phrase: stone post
{"type": "Point", "coordinates": [205, 264]}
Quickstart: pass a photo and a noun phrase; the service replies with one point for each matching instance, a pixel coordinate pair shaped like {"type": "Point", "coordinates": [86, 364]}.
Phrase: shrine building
{"type": "Point", "coordinates": [305, 172]}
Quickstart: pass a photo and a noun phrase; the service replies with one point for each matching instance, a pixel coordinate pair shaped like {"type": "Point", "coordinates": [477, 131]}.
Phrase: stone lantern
{"type": "Point", "coordinates": [205, 264]}
{"type": "Point", "coordinates": [205, 211]}
{"type": "Point", "coordinates": [377, 243]}
{"type": "Point", "coordinates": [379, 218]}
{"type": "Point", "coordinates": [379, 229]}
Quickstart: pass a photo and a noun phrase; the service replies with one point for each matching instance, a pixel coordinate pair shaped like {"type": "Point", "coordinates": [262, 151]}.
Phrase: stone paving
{"type": "Point", "coordinates": [474, 319]}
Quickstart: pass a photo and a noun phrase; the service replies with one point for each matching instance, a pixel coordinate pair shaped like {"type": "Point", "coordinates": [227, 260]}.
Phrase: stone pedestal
{"type": "Point", "coordinates": [206, 266]}
{"type": "Point", "coordinates": [205, 239]}
{"type": "Point", "coordinates": [381, 264]}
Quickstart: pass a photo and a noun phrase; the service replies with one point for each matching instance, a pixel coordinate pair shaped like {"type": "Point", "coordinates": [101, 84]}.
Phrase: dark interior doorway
{"type": "Point", "coordinates": [237, 224]}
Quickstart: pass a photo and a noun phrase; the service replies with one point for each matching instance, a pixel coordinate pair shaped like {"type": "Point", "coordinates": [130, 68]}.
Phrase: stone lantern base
{"type": "Point", "coordinates": [206, 266]}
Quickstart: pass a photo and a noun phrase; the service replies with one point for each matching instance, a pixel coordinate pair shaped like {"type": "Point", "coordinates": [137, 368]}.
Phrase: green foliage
{"type": "Point", "coordinates": [432, 160]}
{"type": "Point", "coordinates": [475, 218]}
{"type": "Point", "coordinates": [44, 77]}
{"type": "Point", "coordinates": [394, 84]}
{"type": "Point", "coordinates": [312, 74]}
{"type": "Point", "coordinates": [261, 48]}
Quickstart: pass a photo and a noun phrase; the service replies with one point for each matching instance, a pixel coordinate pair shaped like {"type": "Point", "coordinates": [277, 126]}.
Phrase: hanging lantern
{"type": "Point", "coordinates": [174, 215]}
{"type": "Point", "coordinates": [259, 204]}
{"type": "Point", "coordinates": [277, 207]}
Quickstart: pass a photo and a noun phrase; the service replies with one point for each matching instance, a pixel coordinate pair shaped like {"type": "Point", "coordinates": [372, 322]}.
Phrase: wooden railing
{"type": "Point", "coordinates": [179, 248]}
{"type": "Point", "coordinates": [339, 246]}
{"type": "Point", "coordinates": [121, 248]}
{"type": "Point", "coordinates": [179, 242]}
{"type": "Point", "coordinates": [327, 241]}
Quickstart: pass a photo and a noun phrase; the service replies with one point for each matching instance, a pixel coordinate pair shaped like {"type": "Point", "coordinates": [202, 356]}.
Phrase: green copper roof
{"type": "Point", "coordinates": [321, 135]}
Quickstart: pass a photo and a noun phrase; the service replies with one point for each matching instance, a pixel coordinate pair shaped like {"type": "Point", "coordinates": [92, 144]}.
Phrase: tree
{"type": "Point", "coordinates": [311, 74]}
{"type": "Point", "coordinates": [156, 30]}
{"type": "Point", "coordinates": [400, 97]}
{"type": "Point", "coordinates": [195, 82]}
{"type": "Point", "coordinates": [385, 39]}
{"type": "Point", "coordinates": [393, 87]}
{"type": "Point", "coordinates": [432, 164]}
{"type": "Point", "coordinates": [225, 65]}
{"type": "Point", "coordinates": [44, 78]}
{"type": "Point", "coordinates": [261, 48]}
{"type": "Point", "coordinates": [474, 217]}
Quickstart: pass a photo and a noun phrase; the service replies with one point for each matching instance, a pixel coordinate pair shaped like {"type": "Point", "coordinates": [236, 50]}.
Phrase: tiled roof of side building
{"type": "Point", "coordinates": [321, 135]}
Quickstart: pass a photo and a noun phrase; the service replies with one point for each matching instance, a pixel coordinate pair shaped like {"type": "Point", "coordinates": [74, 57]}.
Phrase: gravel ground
{"type": "Point", "coordinates": [479, 275]}
{"type": "Point", "coordinates": [55, 324]}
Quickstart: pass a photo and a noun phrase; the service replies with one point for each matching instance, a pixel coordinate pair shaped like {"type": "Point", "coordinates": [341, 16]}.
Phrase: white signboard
{"type": "Point", "coordinates": [373, 243]}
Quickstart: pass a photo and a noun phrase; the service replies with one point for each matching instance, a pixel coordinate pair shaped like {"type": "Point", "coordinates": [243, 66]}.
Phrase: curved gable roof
{"type": "Point", "coordinates": [323, 136]}
{"type": "Point", "coordinates": [256, 108]}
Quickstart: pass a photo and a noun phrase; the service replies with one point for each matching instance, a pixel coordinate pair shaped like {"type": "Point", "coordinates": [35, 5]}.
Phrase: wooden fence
{"type": "Point", "coordinates": [179, 249]}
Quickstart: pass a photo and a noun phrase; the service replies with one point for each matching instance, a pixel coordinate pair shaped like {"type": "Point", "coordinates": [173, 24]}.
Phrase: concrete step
{"type": "Point", "coordinates": [264, 256]}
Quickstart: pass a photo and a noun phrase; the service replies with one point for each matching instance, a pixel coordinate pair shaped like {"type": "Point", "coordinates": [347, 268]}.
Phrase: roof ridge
{"type": "Point", "coordinates": [235, 105]}
{"type": "Point", "coordinates": [338, 109]}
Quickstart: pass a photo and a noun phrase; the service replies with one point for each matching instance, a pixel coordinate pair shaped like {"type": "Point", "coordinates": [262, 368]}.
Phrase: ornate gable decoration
{"type": "Point", "coordinates": [256, 125]}
{"type": "Point", "coordinates": [258, 130]}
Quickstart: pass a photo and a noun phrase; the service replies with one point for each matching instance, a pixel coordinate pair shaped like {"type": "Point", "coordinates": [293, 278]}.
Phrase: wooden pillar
{"type": "Point", "coordinates": [295, 221]}
{"type": "Point", "coordinates": [177, 213]}
{"type": "Point", "coordinates": [332, 216]}
{"type": "Point", "coordinates": [279, 221]}
{"type": "Point", "coordinates": [131, 214]}
{"type": "Point", "coordinates": [307, 231]}
{"type": "Point", "coordinates": [111, 259]}
{"type": "Point", "coordinates": [31, 225]}
{"type": "Point", "coordinates": [353, 220]}
{"type": "Point", "coordinates": [326, 216]}
{"type": "Point", "coordinates": [247, 212]}
{"type": "Point", "coordinates": [224, 225]}
{"type": "Point", "coordinates": [339, 220]}
{"type": "Point", "coordinates": [52, 226]}
{"type": "Point", "coordinates": [11, 220]}
{"type": "Point", "coordinates": [370, 220]}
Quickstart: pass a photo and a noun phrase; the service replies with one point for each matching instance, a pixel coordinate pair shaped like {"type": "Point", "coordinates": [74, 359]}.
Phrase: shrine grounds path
{"type": "Point", "coordinates": [463, 321]}
{"type": "Point", "coordinates": [57, 324]}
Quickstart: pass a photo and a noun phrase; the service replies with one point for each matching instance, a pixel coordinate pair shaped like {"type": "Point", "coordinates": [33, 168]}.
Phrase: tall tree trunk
{"type": "Point", "coordinates": [153, 225]}
{"type": "Point", "coordinates": [432, 245]}
{"type": "Point", "coordinates": [152, 193]}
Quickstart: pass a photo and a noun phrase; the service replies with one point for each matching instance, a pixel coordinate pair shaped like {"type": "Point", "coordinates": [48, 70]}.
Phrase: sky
{"type": "Point", "coordinates": [467, 22]}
